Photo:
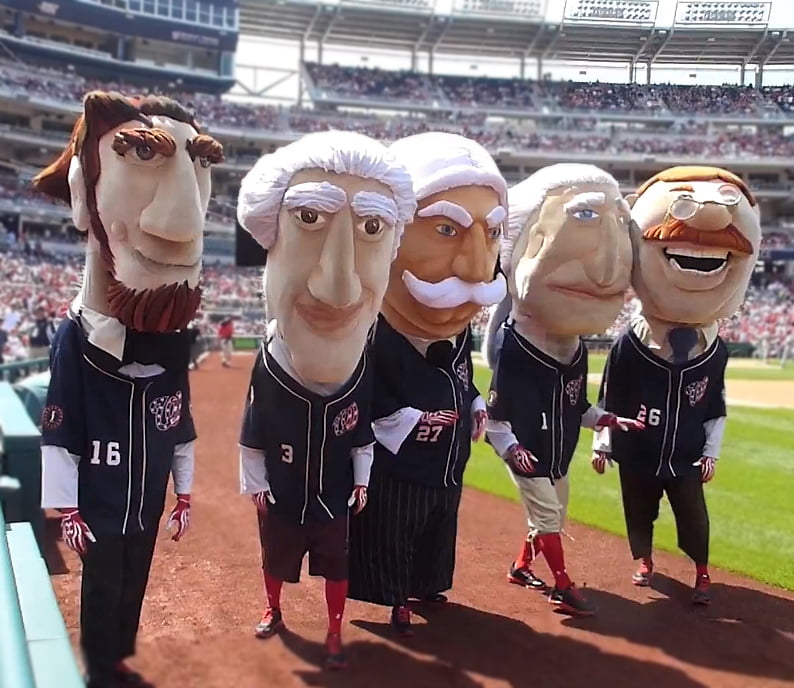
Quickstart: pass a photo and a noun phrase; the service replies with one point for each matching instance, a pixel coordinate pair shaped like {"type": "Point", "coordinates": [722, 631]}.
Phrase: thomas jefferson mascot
{"type": "Point", "coordinates": [426, 407]}
{"type": "Point", "coordinates": [696, 234]}
{"type": "Point", "coordinates": [567, 255]}
{"type": "Point", "coordinates": [117, 420]}
{"type": "Point", "coordinates": [330, 208]}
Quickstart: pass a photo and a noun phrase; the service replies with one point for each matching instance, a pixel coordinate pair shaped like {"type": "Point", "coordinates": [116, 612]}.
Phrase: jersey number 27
{"type": "Point", "coordinates": [112, 453]}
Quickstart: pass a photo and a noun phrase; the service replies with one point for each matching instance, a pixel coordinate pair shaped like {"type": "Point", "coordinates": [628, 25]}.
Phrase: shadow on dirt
{"type": "Point", "coordinates": [743, 631]}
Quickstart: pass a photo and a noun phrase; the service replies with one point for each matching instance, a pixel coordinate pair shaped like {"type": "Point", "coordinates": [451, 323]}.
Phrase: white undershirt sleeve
{"type": "Point", "coordinates": [59, 478]}
{"type": "Point", "coordinates": [362, 463]}
{"type": "Point", "coordinates": [253, 472]}
{"type": "Point", "coordinates": [715, 429]}
{"type": "Point", "coordinates": [500, 435]}
{"type": "Point", "coordinates": [478, 404]}
{"type": "Point", "coordinates": [183, 467]}
{"type": "Point", "coordinates": [591, 416]}
{"type": "Point", "coordinates": [393, 430]}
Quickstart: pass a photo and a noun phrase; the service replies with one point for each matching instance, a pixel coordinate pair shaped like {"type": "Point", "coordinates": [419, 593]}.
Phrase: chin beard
{"type": "Point", "coordinates": [165, 309]}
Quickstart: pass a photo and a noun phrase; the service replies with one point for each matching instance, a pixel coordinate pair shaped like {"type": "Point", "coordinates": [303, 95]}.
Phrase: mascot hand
{"type": "Point", "coordinates": [600, 461]}
{"type": "Point", "coordinates": [358, 499]}
{"type": "Point", "coordinates": [479, 418]}
{"type": "Point", "coordinates": [708, 466]}
{"type": "Point", "coordinates": [443, 418]}
{"type": "Point", "coordinates": [75, 531]}
{"type": "Point", "coordinates": [179, 520]}
{"type": "Point", "coordinates": [262, 499]}
{"type": "Point", "coordinates": [610, 420]}
{"type": "Point", "coordinates": [520, 459]}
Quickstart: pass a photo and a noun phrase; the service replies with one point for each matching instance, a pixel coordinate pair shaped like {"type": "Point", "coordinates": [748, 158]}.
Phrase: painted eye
{"type": "Point", "coordinates": [373, 226]}
{"type": "Point", "coordinates": [585, 214]}
{"type": "Point", "coordinates": [144, 152]}
{"type": "Point", "coordinates": [446, 230]}
{"type": "Point", "coordinates": [494, 232]}
{"type": "Point", "coordinates": [205, 162]}
{"type": "Point", "coordinates": [308, 216]}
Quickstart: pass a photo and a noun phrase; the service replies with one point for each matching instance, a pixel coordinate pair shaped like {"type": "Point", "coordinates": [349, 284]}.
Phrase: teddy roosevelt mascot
{"type": "Point", "coordinates": [330, 208]}
{"type": "Point", "coordinates": [696, 234]}
{"type": "Point", "coordinates": [426, 407]}
{"type": "Point", "coordinates": [567, 257]}
{"type": "Point", "coordinates": [117, 420]}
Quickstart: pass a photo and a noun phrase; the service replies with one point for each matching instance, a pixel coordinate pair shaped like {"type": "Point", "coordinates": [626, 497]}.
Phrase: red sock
{"type": "Point", "coordinates": [701, 570]}
{"type": "Point", "coordinates": [551, 546]}
{"type": "Point", "coordinates": [335, 597]}
{"type": "Point", "coordinates": [525, 555]}
{"type": "Point", "coordinates": [273, 591]}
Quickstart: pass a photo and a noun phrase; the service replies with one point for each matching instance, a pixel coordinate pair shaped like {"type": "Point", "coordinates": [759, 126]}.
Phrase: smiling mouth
{"type": "Point", "coordinates": [326, 318]}
{"type": "Point", "coordinates": [702, 261]}
{"type": "Point", "coordinates": [145, 260]}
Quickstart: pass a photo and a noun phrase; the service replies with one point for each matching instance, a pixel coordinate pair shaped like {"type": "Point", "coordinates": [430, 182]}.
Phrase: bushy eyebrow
{"type": "Point", "coordinates": [204, 146]}
{"type": "Point", "coordinates": [448, 209]}
{"type": "Point", "coordinates": [323, 197]}
{"type": "Point", "coordinates": [495, 217]}
{"type": "Point", "coordinates": [158, 140]}
{"type": "Point", "coordinates": [594, 199]}
{"type": "Point", "coordinates": [368, 203]}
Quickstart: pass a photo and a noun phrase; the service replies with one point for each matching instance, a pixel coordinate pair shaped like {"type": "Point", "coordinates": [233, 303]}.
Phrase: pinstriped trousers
{"type": "Point", "coordinates": [402, 545]}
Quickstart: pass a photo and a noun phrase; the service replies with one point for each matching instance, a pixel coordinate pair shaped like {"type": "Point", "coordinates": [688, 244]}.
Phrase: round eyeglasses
{"type": "Point", "coordinates": [686, 205]}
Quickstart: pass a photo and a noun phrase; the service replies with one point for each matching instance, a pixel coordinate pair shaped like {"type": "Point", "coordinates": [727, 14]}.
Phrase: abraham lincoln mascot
{"type": "Point", "coordinates": [117, 421]}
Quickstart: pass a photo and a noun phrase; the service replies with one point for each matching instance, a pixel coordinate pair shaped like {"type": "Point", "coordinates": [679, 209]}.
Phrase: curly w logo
{"type": "Point", "coordinates": [346, 420]}
{"type": "Point", "coordinates": [167, 411]}
{"type": "Point", "coordinates": [695, 391]}
{"type": "Point", "coordinates": [572, 389]}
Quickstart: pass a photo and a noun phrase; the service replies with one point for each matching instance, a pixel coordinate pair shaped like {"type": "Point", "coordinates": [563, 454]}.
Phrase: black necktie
{"type": "Point", "coordinates": [682, 339]}
{"type": "Point", "coordinates": [439, 354]}
{"type": "Point", "coordinates": [171, 350]}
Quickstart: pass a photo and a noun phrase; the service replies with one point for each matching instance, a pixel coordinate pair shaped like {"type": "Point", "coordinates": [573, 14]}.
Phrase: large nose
{"type": "Point", "coordinates": [334, 280]}
{"type": "Point", "coordinates": [176, 212]}
{"type": "Point", "coordinates": [473, 262]}
{"type": "Point", "coordinates": [712, 217]}
{"type": "Point", "coordinates": [603, 267]}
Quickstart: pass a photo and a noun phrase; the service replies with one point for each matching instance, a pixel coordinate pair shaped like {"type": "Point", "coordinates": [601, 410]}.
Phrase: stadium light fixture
{"type": "Point", "coordinates": [690, 12]}
{"type": "Point", "coordinates": [514, 9]}
{"type": "Point", "coordinates": [640, 12]}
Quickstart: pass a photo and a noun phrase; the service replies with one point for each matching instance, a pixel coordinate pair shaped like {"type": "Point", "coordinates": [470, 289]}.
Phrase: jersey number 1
{"type": "Point", "coordinates": [112, 453]}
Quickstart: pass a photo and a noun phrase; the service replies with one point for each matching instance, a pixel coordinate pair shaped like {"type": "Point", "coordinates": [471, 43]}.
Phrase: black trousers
{"type": "Point", "coordinates": [115, 575]}
{"type": "Point", "coordinates": [641, 496]}
{"type": "Point", "coordinates": [402, 545]}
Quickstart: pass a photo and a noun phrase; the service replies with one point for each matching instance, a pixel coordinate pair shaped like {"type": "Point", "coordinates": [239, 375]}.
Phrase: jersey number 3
{"type": "Point", "coordinates": [651, 416]}
{"type": "Point", "coordinates": [286, 453]}
{"type": "Point", "coordinates": [112, 453]}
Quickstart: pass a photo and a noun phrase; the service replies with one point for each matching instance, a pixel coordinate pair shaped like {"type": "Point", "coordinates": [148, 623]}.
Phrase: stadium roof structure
{"type": "Point", "coordinates": [628, 31]}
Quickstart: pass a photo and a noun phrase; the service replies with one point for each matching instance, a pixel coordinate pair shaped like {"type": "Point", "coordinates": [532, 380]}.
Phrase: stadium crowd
{"type": "Point", "coordinates": [30, 278]}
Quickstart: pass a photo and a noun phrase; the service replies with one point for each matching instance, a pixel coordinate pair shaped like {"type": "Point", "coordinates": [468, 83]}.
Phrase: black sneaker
{"type": "Point", "coordinates": [270, 624]}
{"type": "Point", "coordinates": [524, 577]}
{"type": "Point", "coordinates": [335, 656]}
{"type": "Point", "coordinates": [401, 621]}
{"type": "Point", "coordinates": [701, 593]}
{"type": "Point", "coordinates": [571, 601]}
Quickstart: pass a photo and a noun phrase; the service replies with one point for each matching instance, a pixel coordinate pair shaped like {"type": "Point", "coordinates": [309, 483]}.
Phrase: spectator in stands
{"type": "Point", "coordinates": [40, 334]}
{"type": "Point", "coordinates": [225, 334]}
{"type": "Point", "coordinates": [3, 342]}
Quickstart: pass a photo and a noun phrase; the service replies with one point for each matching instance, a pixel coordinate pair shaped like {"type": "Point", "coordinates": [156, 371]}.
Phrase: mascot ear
{"type": "Point", "coordinates": [80, 214]}
{"type": "Point", "coordinates": [631, 199]}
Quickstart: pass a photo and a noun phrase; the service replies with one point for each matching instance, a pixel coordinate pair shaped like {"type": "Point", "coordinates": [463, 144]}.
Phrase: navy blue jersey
{"type": "Point", "coordinates": [123, 429]}
{"type": "Point", "coordinates": [431, 455]}
{"type": "Point", "coordinates": [542, 399]}
{"type": "Point", "coordinates": [674, 400]}
{"type": "Point", "coordinates": [307, 438]}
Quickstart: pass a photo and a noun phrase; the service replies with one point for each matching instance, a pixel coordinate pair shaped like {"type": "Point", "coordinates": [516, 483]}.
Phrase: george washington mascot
{"type": "Point", "coordinates": [696, 234]}
{"type": "Point", "coordinates": [567, 257]}
{"type": "Point", "coordinates": [117, 421]}
{"type": "Point", "coordinates": [426, 408]}
{"type": "Point", "coordinates": [330, 208]}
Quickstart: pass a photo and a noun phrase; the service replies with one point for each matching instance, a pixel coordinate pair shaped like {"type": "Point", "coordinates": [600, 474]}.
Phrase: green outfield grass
{"type": "Point", "coordinates": [751, 502]}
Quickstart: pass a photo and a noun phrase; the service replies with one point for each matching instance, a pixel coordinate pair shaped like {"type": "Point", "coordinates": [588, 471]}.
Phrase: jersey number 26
{"type": "Point", "coordinates": [651, 416]}
{"type": "Point", "coordinates": [112, 453]}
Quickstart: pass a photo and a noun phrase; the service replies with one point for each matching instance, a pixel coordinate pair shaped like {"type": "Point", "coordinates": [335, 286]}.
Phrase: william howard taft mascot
{"type": "Point", "coordinates": [330, 208]}
{"type": "Point", "coordinates": [567, 256]}
{"type": "Point", "coordinates": [117, 420]}
{"type": "Point", "coordinates": [426, 408]}
{"type": "Point", "coordinates": [696, 234]}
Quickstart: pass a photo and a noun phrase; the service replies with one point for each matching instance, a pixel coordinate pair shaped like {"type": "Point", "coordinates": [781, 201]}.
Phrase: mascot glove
{"type": "Point", "coordinates": [179, 520]}
{"type": "Point", "coordinates": [443, 418]}
{"type": "Point", "coordinates": [708, 466]}
{"type": "Point", "coordinates": [75, 531]}
{"type": "Point", "coordinates": [358, 499]}
{"type": "Point", "coordinates": [262, 499]}
{"type": "Point", "coordinates": [600, 461]}
{"type": "Point", "coordinates": [610, 420]}
{"type": "Point", "coordinates": [479, 419]}
{"type": "Point", "coordinates": [520, 459]}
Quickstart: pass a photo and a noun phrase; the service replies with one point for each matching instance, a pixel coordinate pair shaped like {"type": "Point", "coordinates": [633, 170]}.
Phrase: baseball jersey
{"type": "Point", "coordinates": [403, 377]}
{"type": "Point", "coordinates": [542, 398]}
{"type": "Point", "coordinates": [307, 438]}
{"type": "Point", "coordinates": [123, 429]}
{"type": "Point", "coordinates": [674, 400]}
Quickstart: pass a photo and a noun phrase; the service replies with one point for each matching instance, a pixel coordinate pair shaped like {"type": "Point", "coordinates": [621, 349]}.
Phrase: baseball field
{"type": "Point", "coordinates": [205, 592]}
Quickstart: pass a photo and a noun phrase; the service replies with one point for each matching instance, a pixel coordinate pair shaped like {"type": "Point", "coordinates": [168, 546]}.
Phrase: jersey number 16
{"type": "Point", "coordinates": [112, 453]}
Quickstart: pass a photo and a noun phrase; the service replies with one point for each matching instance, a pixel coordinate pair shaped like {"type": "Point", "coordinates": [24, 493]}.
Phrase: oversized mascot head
{"type": "Point", "coordinates": [136, 174]}
{"type": "Point", "coordinates": [330, 209]}
{"type": "Point", "coordinates": [697, 233]}
{"type": "Point", "coordinates": [444, 271]}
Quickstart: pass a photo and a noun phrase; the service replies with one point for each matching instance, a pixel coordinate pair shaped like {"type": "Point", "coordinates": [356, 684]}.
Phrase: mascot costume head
{"type": "Point", "coordinates": [567, 257]}
{"type": "Point", "coordinates": [444, 271]}
{"type": "Point", "coordinates": [136, 174]}
{"type": "Point", "coordinates": [330, 209]}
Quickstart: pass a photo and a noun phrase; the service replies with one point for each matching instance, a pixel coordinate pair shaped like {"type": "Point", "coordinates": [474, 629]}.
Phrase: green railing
{"type": "Point", "coordinates": [11, 372]}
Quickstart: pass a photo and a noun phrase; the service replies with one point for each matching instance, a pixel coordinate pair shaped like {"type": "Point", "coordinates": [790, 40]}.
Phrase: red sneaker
{"type": "Point", "coordinates": [270, 624]}
{"type": "Point", "coordinates": [401, 621]}
{"type": "Point", "coordinates": [335, 657]}
{"type": "Point", "coordinates": [642, 577]}
{"type": "Point", "coordinates": [701, 594]}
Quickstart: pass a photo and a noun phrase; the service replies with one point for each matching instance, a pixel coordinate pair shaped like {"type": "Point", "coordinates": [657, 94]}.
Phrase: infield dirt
{"type": "Point", "coordinates": [205, 596]}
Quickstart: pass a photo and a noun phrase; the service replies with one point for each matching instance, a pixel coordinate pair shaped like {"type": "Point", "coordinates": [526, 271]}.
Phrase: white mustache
{"type": "Point", "coordinates": [453, 291]}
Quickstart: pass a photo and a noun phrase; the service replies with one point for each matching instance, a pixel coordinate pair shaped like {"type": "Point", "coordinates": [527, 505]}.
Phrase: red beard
{"type": "Point", "coordinates": [165, 309]}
